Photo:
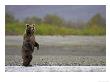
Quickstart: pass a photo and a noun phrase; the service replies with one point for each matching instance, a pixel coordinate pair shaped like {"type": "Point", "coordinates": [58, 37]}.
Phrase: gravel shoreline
{"type": "Point", "coordinates": [59, 51]}
{"type": "Point", "coordinates": [58, 60]}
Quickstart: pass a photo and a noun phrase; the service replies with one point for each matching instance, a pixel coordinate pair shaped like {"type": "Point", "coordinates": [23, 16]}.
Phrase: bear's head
{"type": "Point", "coordinates": [30, 29]}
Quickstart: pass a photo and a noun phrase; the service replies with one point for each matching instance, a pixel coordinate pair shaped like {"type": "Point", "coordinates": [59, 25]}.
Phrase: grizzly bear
{"type": "Point", "coordinates": [28, 44]}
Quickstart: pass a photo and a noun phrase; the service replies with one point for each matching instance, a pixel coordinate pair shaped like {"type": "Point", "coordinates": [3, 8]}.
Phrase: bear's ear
{"type": "Point", "coordinates": [33, 25]}
{"type": "Point", "coordinates": [27, 25]}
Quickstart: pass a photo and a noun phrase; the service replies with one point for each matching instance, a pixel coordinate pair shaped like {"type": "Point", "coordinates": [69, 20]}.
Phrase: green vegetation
{"type": "Point", "coordinates": [46, 29]}
{"type": "Point", "coordinates": [54, 25]}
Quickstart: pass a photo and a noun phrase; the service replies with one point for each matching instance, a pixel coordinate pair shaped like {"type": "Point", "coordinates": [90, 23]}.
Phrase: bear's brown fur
{"type": "Point", "coordinates": [28, 44]}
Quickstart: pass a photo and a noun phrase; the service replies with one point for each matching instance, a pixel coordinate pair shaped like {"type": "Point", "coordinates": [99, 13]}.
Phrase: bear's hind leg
{"type": "Point", "coordinates": [27, 59]}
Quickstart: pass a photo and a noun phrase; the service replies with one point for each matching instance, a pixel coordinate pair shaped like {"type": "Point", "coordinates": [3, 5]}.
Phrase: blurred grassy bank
{"type": "Point", "coordinates": [47, 29]}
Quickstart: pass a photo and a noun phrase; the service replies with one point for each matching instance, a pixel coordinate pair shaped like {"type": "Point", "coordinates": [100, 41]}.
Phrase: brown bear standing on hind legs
{"type": "Point", "coordinates": [28, 44]}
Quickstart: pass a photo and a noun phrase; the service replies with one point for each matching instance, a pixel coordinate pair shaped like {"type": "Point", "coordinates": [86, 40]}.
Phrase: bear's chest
{"type": "Point", "coordinates": [30, 39]}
